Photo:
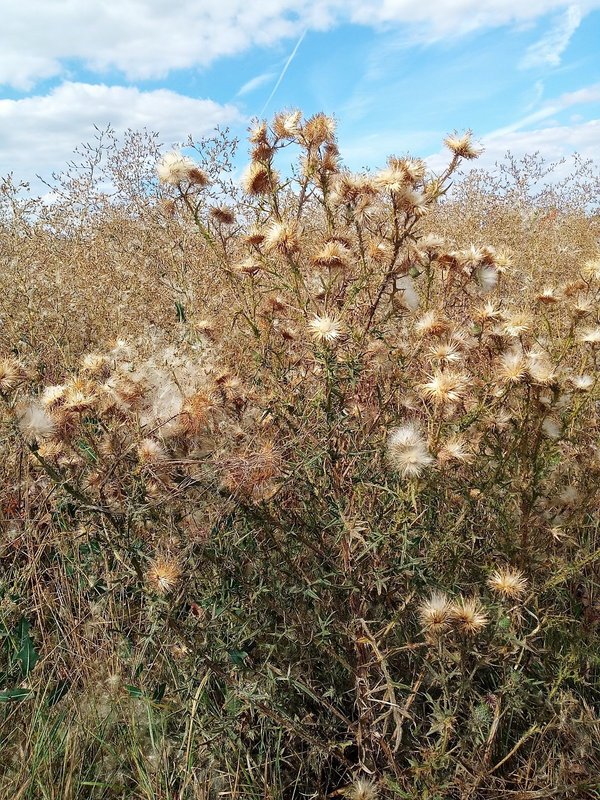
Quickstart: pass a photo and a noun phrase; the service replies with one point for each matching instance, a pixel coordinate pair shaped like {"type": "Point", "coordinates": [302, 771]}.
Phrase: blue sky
{"type": "Point", "coordinates": [398, 75]}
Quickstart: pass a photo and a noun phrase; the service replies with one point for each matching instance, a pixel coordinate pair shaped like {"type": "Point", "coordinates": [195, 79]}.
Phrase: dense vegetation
{"type": "Point", "coordinates": [300, 477]}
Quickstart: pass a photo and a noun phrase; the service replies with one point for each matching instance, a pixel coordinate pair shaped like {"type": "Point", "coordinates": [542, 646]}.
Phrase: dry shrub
{"type": "Point", "coordinates": [300, 497]}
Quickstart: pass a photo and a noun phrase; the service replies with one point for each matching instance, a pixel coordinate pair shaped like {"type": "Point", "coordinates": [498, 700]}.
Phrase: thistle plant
{"type": "Point", "coordinates": [331, 526]}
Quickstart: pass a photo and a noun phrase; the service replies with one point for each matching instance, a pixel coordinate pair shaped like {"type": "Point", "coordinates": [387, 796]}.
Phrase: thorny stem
{"type": "Point", "coordinates": [399, 240]}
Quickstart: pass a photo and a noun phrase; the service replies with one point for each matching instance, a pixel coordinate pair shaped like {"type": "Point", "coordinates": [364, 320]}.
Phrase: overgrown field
{"type": "Point", "coordinates": [300, 478]}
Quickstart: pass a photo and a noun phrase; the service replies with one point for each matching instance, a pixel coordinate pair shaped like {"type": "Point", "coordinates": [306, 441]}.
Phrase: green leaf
{"type": "Point", "coordinates": [26, 654]}
{"type": "Point", "coordinates": [95, 784]}
{"type": "Point", "coordinates": [180, 312]}
{"type": "Point", "coordinates": [238, 657]}
{"type": "Point", "coordinates": [134, 691]}
{"type": "Point", "coordinates": [311, 593]}
{"type": "Point", "coordinates": [87, 450]}
{"type": "Point", "coordinates": [14, 695]}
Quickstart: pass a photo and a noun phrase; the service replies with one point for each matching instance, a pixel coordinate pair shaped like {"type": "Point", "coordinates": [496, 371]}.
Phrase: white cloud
{"type": "Point", "coordinates": [149, 39]}
{"type": "Point", "coordinates": [255, 83]}
{"type": "Point", "coordinates": [589, 94]}
{"type": "Point", "coordinates": [38, 134]}
{"type": "Point", "coordinates": [553, 143]}
{"type": "Point", "coordinates": [548, 50]}
{"type": "Point", "coordinates": [439, 18]}
{"type": "Point", "coordinates": [142, 40]}
{"type": "Point", "coordinates": [537, 95]}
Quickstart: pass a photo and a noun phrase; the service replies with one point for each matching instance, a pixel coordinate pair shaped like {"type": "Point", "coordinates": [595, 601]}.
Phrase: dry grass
{"type": "Point", "coordinates": [299, 481]}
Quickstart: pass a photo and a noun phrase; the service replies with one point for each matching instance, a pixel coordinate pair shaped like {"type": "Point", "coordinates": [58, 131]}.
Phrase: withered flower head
{"type": "Point", "coordinates": [392, 179]}
{"type": "Point", "coordinates": [255, 236]}
{"type": "Point", "coordinates": [282, 237]}
{"type": "Point", "coordinates": [445, 352]}
{"type": "Point", "coordinates": [362, 789]}
{"type": "Point", "coordinates": [249, 266]}
{"type": "Point", "coordinates": [413, 168]}
{"type": "Point", "coordinates": [163, 575]}
{"type": "Point", "coordinates": [259, 132]}
{"type": "Point", "coordinates": [512, 367]}
{"type": "Point", "coordinates": [351, 189]}
{"type": "Point", "coordinates": [582, 383]}
{"type": "Point", "coordinates": [407, 451]}
{"type": "Point", "coordinates": [413, 202]}
{"type": "Point", "coordinates": [35, 423]}
{"type": "Point", "coordinates": [432, 323]}
{"type": "Point", "coordinates": [206, 327]}
{"type": "Point", "coordinates": [446, 386]}
{"type": "Point", "coordinates": [486, 277]}
{"type": "Point", "coordinates": [489, 312]}
{"type": "Point", "coordinates": [547, 296]}
{"type": "Point", "coordinates": [462, 145]}
{"type": "Point", "coordinates": [79, 395]}
{"type": "Point", "coordinates": [468, 615]}
{"type": "Point", "coordinates": [540, 369]}
{"type": "Point", "coordinates": [11, 374]}
{"type": "Point", "coordinates": [572, 288]}
{"type": "Point", "coordinates": [508, 582]}
{"type": "Point", "coordinates": [590, 335]}
{"type": "Point", "coordinates": [262, 152]}
{"type": "Point", "coordinates": [333, 254]}
{"type": "Point", "coordinates": [259, 179]}
{"type": "Point", "coordinates": [95, 364]}
{"type": "Point", "coordinates": [515, 326]}
{"type": "Point", "coordinates": [175, 168]}
{"type": "Point", "coordinates": [151, 452]}
{"type": "Point", "coordinates": [434, 613]}
{"type": "Point", "coordinates": [432, 245]}
{"type": "Point", "coordinates": [455, 449]}
{"type": "Point", "coordinates": [196, 412]}
{"type": "Point", "coordinates": [331, 158]}
{"type": "Point", "coordinates": [252, 472]}
{"type": "Point", "coordinates": [325, 329]}
{"type": "Point", "coordinates": [286, 124]}
{"type": "Point", "coordinates": [223, 214]}
{"type": "Point", "coordinates": [591, 269]}
{"type": "Point", "coordinates": [319, 129]}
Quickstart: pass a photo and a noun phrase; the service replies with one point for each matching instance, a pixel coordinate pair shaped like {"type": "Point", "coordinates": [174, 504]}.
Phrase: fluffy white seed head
{"type": "Point", "coordinates": [407, 451]}
{"type": "Point", "coordinates": [35, 423]}
{"type": "Point", "coordinates": [325, 329]}
{"type": "Point", "coordinates": [508, 582]}
{"type": "Point", "coordinates": [174, 168]}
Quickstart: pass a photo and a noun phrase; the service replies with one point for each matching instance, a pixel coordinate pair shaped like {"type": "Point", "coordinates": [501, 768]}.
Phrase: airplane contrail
{"type": "Point", "coordinates": [283, 71]}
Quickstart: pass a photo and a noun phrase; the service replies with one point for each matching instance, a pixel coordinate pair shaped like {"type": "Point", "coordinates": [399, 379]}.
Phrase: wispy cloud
{"type": "Point", "coordinates": [435, 20]}
{"type": "Point", "coordinates": [552, 143]}
{"type": "Point", "coordinates": [283, 71]}
{"type": "Point", "coordinates": [104, 36]}
{"type": "Point", "coordinates": [255, 83]}
{"type": "Point", "coordinates": [549, 49]}
{"type": "Point", "coordinates": [537, 94]}
{"type": "Point", "coordinates": [589, 94]}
